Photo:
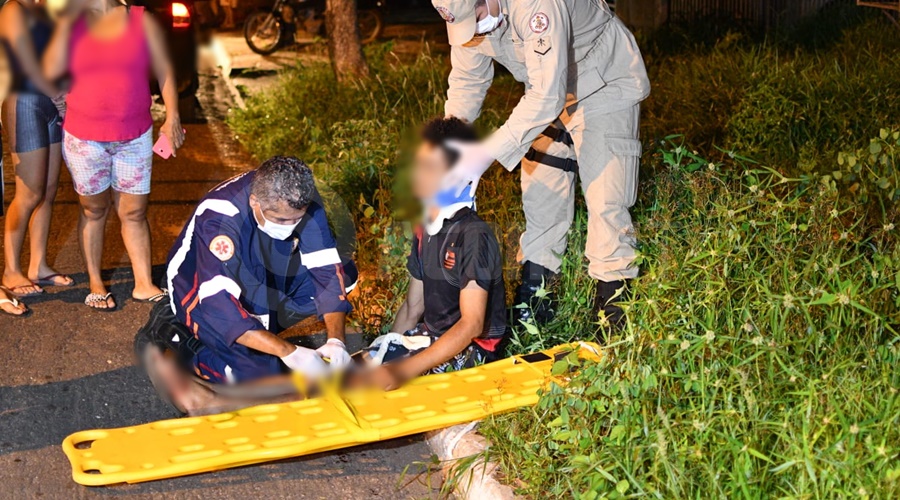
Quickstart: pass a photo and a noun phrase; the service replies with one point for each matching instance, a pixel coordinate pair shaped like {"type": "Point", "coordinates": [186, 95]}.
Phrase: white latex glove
{"type": "Point", "coordinates": [307, 362]}
{"type": "Point", "coordinates": [474, 160]}
{"type": "Point", "coordinates": [336, 353]}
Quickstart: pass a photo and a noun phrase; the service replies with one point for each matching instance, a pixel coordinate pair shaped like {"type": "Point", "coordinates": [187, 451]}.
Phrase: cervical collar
{"type": "Point", "coordinates": [448, 205]}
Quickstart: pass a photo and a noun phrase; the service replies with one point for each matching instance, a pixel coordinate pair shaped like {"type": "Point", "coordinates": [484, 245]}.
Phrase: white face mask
{"type": "Point", "coordinates": [276, 231]}
{"type": "Point", "coordinates": [490, 22]}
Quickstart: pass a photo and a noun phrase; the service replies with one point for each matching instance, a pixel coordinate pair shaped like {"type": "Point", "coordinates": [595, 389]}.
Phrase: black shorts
{"type": "Point", "coordinates": [470, 357]}
{"type": "Point", "coordinates": [32, 121]}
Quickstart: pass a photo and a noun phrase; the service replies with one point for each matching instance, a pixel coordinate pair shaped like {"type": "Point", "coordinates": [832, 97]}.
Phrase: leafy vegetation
{"type": "Point", "coordinates": [789, 106]}
{"type": "Point", "coordinates": [761, 353]}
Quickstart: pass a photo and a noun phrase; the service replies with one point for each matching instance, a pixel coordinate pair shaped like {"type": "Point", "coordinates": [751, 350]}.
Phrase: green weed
{"type": "Point", "coordinates": [761, 354]}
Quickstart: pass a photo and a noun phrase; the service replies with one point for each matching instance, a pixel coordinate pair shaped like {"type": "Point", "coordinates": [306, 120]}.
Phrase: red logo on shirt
{"type": "Point", "coordinates": [449, 259]}
{"type": "Point", "coordinates": [222, 247]}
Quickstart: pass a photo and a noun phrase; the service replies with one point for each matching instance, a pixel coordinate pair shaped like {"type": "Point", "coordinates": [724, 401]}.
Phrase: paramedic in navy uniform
{"type": "Point", "coordinates": [256, 257]}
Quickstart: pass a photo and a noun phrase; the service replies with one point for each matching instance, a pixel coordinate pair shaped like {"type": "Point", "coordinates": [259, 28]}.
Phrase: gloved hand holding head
{"type": "Point", "coordinates": [466, 18]}
{"type": "Point", "coordinates": [435, 159]}
{"type": "Point", "coordinates": [435, 163]}
{"type": "Point", "coordinates": [282, 189]}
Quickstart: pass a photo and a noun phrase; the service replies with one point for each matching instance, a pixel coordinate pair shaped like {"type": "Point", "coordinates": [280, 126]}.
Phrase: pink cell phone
{"type": "Point", "coordinates": [163, 146]}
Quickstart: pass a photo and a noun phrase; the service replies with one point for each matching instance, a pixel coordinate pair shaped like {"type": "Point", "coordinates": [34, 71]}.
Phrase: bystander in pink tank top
{"type": "Point", "coordinates": [110, 97]}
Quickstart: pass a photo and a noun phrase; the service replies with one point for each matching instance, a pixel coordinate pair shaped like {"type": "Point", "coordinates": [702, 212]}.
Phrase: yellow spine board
{"type": "Point", "coordinates": [179, 447]}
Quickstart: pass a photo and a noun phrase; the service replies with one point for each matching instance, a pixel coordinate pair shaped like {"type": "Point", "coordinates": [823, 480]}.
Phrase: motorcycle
{"type": "Point", "coordinates": [267, 31]}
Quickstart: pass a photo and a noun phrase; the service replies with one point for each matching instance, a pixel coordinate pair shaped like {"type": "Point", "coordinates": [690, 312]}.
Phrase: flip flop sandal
{"type": "Point", "coordinates": [154, 299]}
{"type": "Point", "coordinates": [21, 295]}
{"type": "Point", "coordinates": [96, 298]}
{"type": "Point", "coordinates": [51, 280]}
{"type": "Point", "coordinates": [15, 303]}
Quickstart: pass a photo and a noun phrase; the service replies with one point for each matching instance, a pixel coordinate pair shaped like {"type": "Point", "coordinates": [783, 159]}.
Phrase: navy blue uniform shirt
{"type": "Point", "coordinates": [227, 277]}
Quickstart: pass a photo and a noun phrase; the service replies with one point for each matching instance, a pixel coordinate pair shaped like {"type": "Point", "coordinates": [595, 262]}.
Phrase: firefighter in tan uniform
{"type": "Point", "coordinates": [584, 80]}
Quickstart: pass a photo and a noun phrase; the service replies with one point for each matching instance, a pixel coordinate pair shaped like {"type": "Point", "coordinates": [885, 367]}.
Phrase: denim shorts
{"type": "Point", "coordinates": [32, 122]}
{"type": "Point", "coordinates": [123, 165]}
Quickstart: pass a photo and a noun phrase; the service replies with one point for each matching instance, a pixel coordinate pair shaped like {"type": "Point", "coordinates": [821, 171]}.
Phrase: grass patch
{"type": "Point", "coordinates": [788, 105]}
{"type": "Point", "coordinates": [762, 349]}
{"type": "Point", "coordinates": [761, 354]}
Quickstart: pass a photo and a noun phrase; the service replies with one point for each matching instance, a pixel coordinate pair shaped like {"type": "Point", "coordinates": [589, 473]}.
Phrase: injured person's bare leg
{"type": "Point", "coordinates": [188, 395]}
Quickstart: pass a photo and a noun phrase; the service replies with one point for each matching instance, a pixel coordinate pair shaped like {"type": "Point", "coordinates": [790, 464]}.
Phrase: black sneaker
{"type": "Point", "coordinates": [538, 307]}
{"type": "Point", "coordinates": [611, 317]}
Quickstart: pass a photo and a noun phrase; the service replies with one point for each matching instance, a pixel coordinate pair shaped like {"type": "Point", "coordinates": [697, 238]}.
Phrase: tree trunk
{"type": "Point", "coordinates": [344, 45]}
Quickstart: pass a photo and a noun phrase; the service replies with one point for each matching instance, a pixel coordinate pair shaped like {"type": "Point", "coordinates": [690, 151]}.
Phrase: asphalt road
{"type": "Point", "coordinates": [68, 368]}
{"type": "Point", "coordinates": [411, 32]}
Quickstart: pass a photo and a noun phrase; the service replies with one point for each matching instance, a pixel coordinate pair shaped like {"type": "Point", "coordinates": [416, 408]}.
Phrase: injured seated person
{"type": "Point", "coordinates": [454, 316]}
{"type": "Point", "coordinates": [256, 257]}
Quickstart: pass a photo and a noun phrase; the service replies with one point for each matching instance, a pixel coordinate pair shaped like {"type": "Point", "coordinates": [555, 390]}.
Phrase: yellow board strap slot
{"type": "Point", "coordinates": [179, 447]}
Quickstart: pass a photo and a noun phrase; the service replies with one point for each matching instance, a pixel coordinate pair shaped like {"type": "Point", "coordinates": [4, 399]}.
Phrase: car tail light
{"type": "Point", "coordinates": [181, 16]}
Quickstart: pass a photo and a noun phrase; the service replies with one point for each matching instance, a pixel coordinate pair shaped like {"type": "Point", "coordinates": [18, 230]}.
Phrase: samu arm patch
{"type": "Point", "coordinates": [222, 247]}
{"type": "Point", "coordinates": [539, 23]}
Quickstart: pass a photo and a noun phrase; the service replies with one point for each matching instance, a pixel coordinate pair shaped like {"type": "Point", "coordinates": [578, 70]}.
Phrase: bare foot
{"type": "Point", "coordinates": [10, 305]}
{"type": "Point", "coordinates": [47, 276]}
{"type": "Point", "coordinates": [20, 286]}
{"type": "Point", "coordinates": [147, 293]}
{"type": "Point", "coordinates": [100, 299]}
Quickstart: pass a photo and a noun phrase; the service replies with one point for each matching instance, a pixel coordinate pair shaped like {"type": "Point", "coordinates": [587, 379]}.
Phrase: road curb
{"type": "Point", "coordinates": [479, 481]}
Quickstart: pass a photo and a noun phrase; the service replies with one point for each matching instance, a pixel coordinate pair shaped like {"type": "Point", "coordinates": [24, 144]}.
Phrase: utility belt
{"type": "Point", "coordinates": [560, 136]}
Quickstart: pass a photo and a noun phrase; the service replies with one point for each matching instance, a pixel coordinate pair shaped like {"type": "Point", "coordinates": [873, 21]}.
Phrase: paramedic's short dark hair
{"type": "Point", "coordinates": [284, 178]}
{"type": "Point", "coordinates": [440, 130]}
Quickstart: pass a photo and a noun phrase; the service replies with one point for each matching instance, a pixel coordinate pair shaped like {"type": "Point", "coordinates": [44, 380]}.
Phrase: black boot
{"type": "Point", "coordinates": [605, 302]}
{"type": "Point", "coordinates": [540, 309]}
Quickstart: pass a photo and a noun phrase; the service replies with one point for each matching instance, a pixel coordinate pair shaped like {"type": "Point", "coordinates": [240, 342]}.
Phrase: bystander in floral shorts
{"type": "Point", "coordinates": [123, 165]}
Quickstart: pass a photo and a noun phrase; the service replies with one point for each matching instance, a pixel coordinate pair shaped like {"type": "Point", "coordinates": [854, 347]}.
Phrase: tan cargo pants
{"type": "Point", "coordinates": [608, 151]}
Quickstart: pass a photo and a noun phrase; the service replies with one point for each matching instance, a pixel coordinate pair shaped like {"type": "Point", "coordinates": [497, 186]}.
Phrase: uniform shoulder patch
{"type": "Point", "coordinates": [222, 247]}
{"type": "Point", "coordinates": [540, 22]}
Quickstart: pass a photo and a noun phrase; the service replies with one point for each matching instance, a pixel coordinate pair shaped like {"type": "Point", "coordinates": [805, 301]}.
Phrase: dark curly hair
{"type": "Point", "coordinates": [440, 130]}
{"type": "Point", "coordinates": [284, 178]}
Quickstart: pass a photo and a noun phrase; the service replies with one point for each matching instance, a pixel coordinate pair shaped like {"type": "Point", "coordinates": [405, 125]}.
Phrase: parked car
{"type": "Point", "coordinates": [179, 19]}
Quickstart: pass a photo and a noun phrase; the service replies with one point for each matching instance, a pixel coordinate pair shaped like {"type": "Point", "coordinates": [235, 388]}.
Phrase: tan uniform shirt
{"type": "Point", "coordinates": [563, 51]}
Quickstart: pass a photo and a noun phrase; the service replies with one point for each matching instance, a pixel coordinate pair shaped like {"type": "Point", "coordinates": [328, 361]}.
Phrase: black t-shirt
{"type": "Point", "coordinates": [465, 250]}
